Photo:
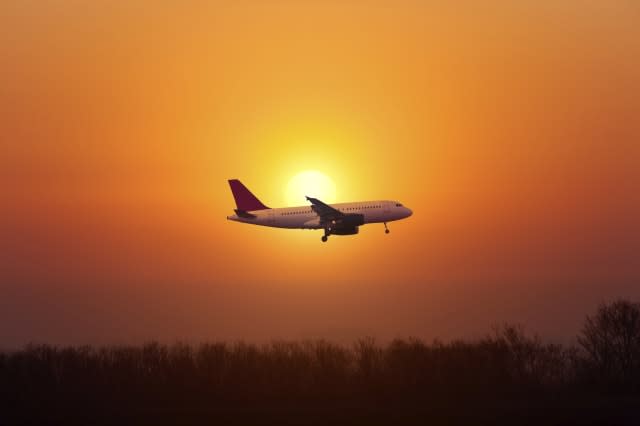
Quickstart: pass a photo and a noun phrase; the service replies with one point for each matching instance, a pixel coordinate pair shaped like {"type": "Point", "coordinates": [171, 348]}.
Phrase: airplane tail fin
{"type": "Point", "coordinates": [245, 200]}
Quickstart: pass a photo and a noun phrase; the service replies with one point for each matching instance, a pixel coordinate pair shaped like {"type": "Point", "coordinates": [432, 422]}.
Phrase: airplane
{"type": "Point", "coordinates": [335, 219]}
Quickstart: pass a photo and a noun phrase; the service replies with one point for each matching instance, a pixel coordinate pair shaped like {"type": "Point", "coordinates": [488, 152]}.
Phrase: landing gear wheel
{"type": "Point", "coordinates": [324, 238]}
{"type": "Point", "coordinates": [386, 230]}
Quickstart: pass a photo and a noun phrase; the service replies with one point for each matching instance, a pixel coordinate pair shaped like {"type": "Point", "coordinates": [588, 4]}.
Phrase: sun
{"type": "Point", "coordinates": [312, 183]}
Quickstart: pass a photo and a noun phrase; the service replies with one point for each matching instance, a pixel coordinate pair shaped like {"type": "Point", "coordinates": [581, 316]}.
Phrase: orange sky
{"type": "Point", "coordinates": [512, 129]}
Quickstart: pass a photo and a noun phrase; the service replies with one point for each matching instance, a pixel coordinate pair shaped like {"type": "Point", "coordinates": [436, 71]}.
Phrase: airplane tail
{"type": "Point", "coordinates": [245, 200]}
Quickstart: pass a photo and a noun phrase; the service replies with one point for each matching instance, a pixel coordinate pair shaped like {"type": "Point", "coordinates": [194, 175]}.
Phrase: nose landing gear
{"type": "Point", "coordinates": [386, 230]}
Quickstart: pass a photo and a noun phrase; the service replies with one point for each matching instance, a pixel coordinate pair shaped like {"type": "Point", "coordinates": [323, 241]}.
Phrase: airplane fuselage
{"type": "Point", "coordinates": [335, 219]}
{"type": "Point", "coordinates": [304, 217]}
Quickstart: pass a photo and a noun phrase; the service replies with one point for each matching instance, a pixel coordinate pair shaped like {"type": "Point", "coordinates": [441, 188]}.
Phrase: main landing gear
{"type": "Point", "coordinates": [386, 230]}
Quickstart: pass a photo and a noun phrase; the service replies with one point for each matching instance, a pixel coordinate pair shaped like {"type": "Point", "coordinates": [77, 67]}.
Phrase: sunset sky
{"type": "Point", "coordinates": [510, 128]}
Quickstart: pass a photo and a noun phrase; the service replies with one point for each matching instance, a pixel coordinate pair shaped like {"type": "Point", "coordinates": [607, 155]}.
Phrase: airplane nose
{"type": "Point", "coordinates": [409, 212]}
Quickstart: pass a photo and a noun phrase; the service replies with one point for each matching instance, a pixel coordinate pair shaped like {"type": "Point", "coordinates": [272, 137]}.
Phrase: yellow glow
{"type": "Point", "coordinates": [311, 183]}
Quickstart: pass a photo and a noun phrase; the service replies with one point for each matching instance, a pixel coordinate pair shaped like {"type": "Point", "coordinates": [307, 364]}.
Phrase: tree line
{"type": "Point", "coordinates": [87, 385]}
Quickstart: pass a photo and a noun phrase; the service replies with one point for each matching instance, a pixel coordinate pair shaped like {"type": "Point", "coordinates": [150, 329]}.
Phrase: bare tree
{"type": "Point", "coordinates": [611, 339]}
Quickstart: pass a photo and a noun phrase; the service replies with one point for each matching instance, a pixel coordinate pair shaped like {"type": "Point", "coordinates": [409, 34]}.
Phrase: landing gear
{"type": "Point", "coordinates": [327, 232]}
{"type": "Point", "coordinates": [386, 230]}
{"type": "Point", "coordinates": [324, 238]}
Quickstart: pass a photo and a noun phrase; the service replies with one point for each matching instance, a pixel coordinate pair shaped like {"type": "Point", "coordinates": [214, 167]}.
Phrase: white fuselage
{"type": "Point", "coordinates": [305, 218]}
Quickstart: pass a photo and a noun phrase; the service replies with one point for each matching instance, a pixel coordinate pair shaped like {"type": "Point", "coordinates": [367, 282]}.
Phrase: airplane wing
{"type": "Point", "coordinates": [325, 211]}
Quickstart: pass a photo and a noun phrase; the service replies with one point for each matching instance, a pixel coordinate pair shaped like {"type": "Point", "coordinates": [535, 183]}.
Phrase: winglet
{"type": "Point", "coordinates": [245, 200]}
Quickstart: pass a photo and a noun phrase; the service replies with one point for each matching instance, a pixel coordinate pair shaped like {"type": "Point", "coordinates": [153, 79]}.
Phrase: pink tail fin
{"type": "Point", "coordinates": [245, 200]}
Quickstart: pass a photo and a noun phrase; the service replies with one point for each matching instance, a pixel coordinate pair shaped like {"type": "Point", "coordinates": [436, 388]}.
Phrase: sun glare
{"type": "Point", "coordinates": [311, 183]}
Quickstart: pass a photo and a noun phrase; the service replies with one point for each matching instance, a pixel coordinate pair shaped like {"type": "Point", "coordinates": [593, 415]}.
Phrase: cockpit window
{"type": "Point", "coordinates": [398, 205]}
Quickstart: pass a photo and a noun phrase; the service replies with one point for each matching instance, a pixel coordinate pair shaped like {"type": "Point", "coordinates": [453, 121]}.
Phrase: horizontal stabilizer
{"type": "Point", "coordinates": [244, 214]}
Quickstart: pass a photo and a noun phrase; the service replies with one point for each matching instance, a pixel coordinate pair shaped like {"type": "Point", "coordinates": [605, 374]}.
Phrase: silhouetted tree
{"type": "Point", "coordinates": [529, 361]}
{"type": "Point", "coordinates": [611, 340]}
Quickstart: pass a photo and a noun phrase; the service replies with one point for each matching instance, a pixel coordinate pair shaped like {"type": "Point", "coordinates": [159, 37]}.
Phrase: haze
{"type": "Point", "coordinates": [511, 129]}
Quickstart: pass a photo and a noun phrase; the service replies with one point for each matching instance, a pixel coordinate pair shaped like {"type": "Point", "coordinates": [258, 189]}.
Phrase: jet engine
{"type": "Point", "coordinates": [347, 225]}
{"type": "Point", "coordinates": [349, 221]}
{"type": "Point", "coordinates": [345, 231]}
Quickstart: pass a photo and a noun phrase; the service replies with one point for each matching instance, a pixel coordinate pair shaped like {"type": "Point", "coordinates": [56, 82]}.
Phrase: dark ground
{"type": "Point", "coordinates": [506, 378]}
